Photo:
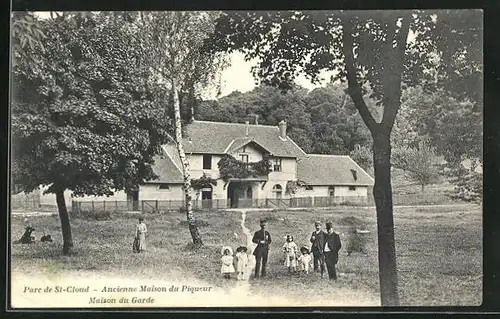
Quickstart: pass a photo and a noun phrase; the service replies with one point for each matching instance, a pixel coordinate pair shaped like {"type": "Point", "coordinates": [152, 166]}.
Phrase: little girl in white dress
{"type": "Point", "coordinates": [227, 260]}
{"type": "Point", "coordinates": [290, 249]}
{"type": "Point", "coordinates": [241, 262]}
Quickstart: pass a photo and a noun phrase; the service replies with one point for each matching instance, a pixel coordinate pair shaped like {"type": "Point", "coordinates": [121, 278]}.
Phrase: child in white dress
{"type": "Point", "coordinates": [305, 259]}
{"type": "Point", "coordinates": [290, 250]}
{"type": "Point", "coordinates": [241, 262]}
{"type": "Point", "coordinates": [227, 260]}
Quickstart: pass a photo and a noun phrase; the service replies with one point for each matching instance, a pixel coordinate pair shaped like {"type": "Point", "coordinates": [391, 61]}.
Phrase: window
{"type": "Point", "coordinates": [277, 164]}
{"type": "Point", "coordinates": [207, 161]}
{"type": "Point", "coordinates": [244, 158]}
{"type": "Point", "coordinates": [331, 191]}
{"type": "Point", "coordinates": [163, 186]}
{"type": "Point", "coordinates": [309, 188]}
{"type": "Point", "coordinates": [352, 188]}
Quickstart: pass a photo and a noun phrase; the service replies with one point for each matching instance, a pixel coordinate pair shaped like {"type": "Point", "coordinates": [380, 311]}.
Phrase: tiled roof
{"type": "Point", "coordinates": [166, 168]}
{"type": "Point", "coordinates": [315, 169]}
{"type": "Point", "coordinates": [215, 137]}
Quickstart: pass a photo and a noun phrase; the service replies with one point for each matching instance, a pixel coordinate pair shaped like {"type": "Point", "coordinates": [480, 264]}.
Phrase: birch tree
{"type": "Point", "coordinates": [173, 43]}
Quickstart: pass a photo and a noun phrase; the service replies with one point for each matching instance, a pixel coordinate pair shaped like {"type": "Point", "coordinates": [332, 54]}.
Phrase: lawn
{"type": "Point", "coordinates": [439, 251]}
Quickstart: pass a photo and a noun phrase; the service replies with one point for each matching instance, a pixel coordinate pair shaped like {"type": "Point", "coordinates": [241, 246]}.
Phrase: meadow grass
{"type": "Point", "coordinates": [439, 251]}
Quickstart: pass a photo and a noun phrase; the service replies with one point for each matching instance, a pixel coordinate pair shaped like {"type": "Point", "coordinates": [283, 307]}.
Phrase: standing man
{"type": "Point", "coordinates": [318, 240]}
{"type": "Point", "coordinates": [263, 239]}
{"type": "Point", "coordinates": [331, 251]}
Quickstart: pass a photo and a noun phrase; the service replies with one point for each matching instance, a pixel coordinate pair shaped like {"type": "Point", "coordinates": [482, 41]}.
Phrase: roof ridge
{"type": "Point", "coordinates": [232, 123]}
{"type": "Point", "coordinates": [328, 155]}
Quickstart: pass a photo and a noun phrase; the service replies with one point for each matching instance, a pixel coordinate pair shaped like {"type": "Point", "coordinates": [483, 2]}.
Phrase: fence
{"type": "Point", "coordinates": [294, 202]}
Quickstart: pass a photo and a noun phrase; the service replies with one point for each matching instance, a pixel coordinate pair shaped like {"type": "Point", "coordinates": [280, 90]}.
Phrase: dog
{"type": "Point", "coordinates": [46, 238]}
{"type": "Point", "coordinates": [27, 238]}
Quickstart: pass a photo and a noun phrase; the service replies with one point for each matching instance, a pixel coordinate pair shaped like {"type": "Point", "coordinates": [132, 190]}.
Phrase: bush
{"type": "Point", "coordinates": [356, 242]}
{"type": "Point", "coordinates": [92, 214]}
{"type": "Point", "coordinates": [351, 221]}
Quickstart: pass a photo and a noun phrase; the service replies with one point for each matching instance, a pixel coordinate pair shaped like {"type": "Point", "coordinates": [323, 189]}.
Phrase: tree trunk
{"type": "Point", "coordinates": [193, 229]}
{"type": "Point", "coordinates": [382, 192]}
{"type": "Point", "coordinates": [65, 225]}
{"type": "Point", "coordinates": [423, 185]}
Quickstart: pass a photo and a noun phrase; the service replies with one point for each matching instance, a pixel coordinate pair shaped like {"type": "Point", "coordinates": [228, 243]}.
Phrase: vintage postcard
{"type": "Point", "coordinates": [174, 159]}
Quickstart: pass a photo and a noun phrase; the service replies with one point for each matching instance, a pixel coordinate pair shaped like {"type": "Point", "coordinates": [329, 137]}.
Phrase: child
{"type": "Point", "coordinates": [140, 236]}
{"type": "Point", "coordinates": [290, 249]}
{"type": "Point", "coordinates": [305, 259]}
{"type": "Point", "coordinates": [241, 262]}
{"type": "Point", "coordinates": [227, 262]}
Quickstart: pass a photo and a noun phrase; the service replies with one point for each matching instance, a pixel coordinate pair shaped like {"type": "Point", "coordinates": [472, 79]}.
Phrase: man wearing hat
{"type": "Point", "coordinates": [331, 251]}
{"type": "Point", "coordinates": [263, 239]}
{"type": "Point", "coordinates": [318, 239]}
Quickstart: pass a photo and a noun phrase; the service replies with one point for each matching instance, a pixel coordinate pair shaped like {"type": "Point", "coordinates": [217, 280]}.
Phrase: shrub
{"type": "Point", "coordinates": [356, 242]}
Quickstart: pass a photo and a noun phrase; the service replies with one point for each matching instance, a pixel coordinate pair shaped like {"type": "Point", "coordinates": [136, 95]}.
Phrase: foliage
{"type": "Point", "coordinates": [230, 167]}
{"type": "Point", "coordinates": [363, 156]}
{"type": "Point", "coordinates": [27, 35]}
{"type": "Point", "coordinates": [468, 183]}
{"type": "Point", "coordinates": [419, 163]}
{"type": "Point", "coordinates": [204, 181]}
{"type": "Point", "coordinates": [89, 122]}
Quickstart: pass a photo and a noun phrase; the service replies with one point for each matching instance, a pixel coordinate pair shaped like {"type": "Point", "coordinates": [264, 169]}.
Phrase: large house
{"type": "Point", "coordinates": [206, 143]}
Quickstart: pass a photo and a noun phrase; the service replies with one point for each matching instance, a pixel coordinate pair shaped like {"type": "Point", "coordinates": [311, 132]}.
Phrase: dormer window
{"type": "Point", "coordinates": [277, 165]}
{"type": "Point", "coordinates": [354, 174]}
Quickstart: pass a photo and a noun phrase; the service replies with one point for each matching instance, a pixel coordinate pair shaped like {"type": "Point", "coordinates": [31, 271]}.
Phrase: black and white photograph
{"type": "Point", "coordinates": [172, 159]}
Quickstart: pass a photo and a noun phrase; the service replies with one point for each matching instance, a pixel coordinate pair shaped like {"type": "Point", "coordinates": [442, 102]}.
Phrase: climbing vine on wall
{"type": "Point", "coordinates": [204, 181]}
{"type": "Point", "coordinates": [292, 185]}
{"type": "Point", "coordinates": [230, 167]}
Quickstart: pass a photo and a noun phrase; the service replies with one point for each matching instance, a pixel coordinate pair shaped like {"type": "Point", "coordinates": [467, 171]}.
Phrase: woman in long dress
{"type": "Point", "coordinates": [140, 235]}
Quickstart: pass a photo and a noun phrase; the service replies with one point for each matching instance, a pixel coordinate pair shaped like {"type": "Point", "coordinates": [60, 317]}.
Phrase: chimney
{"type": "Point", "coordinates": [282, 126]}
{"type": "Point", "coordinates": [246, 127]}
{"type": "Point", "coordinates": [256, 119]}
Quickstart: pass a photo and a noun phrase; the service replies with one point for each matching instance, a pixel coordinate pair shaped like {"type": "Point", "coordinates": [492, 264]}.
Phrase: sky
{"type": "Point", "coordinates": [238, 76]}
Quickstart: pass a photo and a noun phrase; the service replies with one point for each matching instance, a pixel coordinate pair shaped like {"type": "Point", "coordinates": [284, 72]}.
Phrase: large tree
{"type": "Point", "coordinates": [173, 43]}
{"type": "Point", "coordinates": [84, 116]}
{"type": "Point", "coordinates": [364, 48]}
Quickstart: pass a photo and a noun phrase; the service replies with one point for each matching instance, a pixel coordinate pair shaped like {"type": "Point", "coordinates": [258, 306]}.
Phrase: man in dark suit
{"type": "Point", "coordinates": [331, 251]}
{"type": "Point", "coordinates": [318, 240]}
{"type": "Point", "coordinates": [263, 239]}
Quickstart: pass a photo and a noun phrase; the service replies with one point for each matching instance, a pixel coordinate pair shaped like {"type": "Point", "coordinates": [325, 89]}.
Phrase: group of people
{"type": "Point", "coordinates": [324, 248]}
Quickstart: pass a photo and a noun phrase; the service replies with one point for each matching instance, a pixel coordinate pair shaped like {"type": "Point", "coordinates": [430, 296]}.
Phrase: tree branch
{"type": "Point", "coordinates": [354, 87]}
{"type": "Point", "coordinates": [393, 68]}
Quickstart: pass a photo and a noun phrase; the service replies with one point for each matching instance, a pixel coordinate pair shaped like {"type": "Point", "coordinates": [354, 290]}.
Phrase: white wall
{"type": "Point", "coordinates": [153, 192]}
{"type": "Point", "coordinates": [196, 166]}
{"type": "Point", "coordinates": [323, 191]}
{"type": "Point", "coordinates": [118, 196]}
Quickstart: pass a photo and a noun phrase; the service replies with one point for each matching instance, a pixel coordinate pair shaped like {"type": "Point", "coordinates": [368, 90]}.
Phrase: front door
{"type": "Point", "coordinates": [206, 198]}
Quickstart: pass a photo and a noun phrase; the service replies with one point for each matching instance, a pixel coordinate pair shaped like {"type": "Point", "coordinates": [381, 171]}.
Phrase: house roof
{"type": "Point", "coordinates": [166, 168]}
{"type": "Point", "coordinates": [316, 169]}
{"type": "Point", "coordinates": [205, 137]}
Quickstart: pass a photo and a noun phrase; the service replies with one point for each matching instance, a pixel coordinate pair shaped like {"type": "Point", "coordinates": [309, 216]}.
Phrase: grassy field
{"type": "Point", "coordinates": [439, 251]}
